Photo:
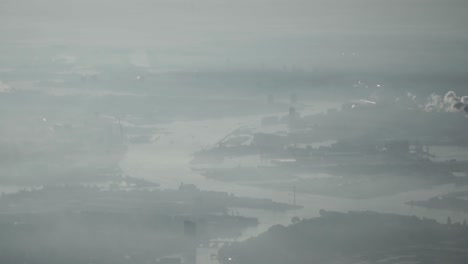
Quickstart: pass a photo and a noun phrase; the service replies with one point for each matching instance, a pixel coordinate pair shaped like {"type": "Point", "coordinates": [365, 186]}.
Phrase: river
{"type": "Point", "coordinates": [167, 162]}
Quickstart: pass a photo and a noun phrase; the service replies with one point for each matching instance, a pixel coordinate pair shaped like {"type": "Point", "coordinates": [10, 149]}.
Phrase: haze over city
{"type": "Point", "coordinates": [233, 132]}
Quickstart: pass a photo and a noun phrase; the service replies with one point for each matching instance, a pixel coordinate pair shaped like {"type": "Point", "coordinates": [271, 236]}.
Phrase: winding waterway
{"type": "Point", "coordinates": [167, 162]}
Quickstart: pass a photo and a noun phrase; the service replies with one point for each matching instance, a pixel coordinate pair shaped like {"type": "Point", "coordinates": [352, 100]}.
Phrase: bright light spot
{"type": "Point", "coordinates": [378, 85]}
{"type": "Point", "coordinates": [229, 259]}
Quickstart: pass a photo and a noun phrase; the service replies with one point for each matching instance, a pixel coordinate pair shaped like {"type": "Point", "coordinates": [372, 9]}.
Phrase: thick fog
{"type": "Point", "coordinates": [243, 132]}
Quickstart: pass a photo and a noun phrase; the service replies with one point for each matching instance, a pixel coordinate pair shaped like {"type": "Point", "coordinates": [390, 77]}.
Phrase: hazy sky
{"type": "Point", "coordinates": [255, 31]}
{"type": "Point", "coordinates": [165, 21]}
